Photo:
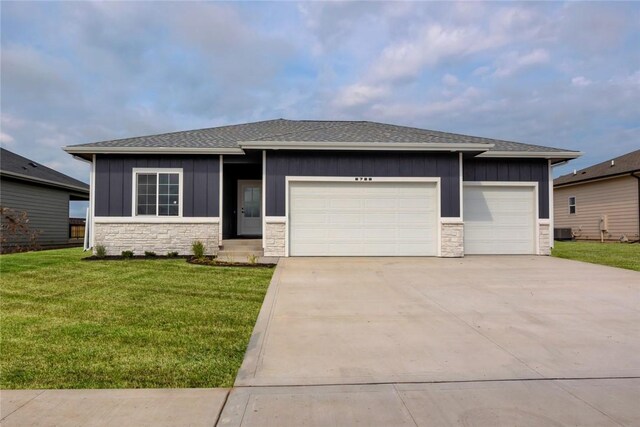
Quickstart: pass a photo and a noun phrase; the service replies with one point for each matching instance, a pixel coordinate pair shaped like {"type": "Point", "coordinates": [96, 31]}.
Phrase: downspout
{"type": "Point", "coordinates": [638, 178]}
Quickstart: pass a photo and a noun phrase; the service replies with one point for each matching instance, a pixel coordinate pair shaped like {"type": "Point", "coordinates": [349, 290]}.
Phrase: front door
{"type": "Point", "coordinates": [249, 208]}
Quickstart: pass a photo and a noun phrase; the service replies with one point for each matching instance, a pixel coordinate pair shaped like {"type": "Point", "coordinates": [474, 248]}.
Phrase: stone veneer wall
{"type": "Point", "coordinates": [160, 238]}
{"type": "Point", "coordinates": [452, 240]}
{"type": "Point", "coordinates": [274, 234]}
{"type": "Point", "coordinates": [544, 240]}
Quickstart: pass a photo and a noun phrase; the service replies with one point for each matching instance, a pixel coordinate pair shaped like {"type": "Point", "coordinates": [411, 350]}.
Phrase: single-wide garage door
{"type": "Point", "coordinates": [499, 219]}
{"type": "Point", "coordinates": [363, 218]}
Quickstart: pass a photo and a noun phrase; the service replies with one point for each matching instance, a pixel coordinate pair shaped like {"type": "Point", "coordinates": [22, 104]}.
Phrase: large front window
{"type": "Point", "coordinates": [158, 192]}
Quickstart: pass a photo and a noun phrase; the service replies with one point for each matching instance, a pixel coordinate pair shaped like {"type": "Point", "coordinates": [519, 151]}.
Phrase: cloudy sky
{"type": "Point", "coordinates": [559, 74]}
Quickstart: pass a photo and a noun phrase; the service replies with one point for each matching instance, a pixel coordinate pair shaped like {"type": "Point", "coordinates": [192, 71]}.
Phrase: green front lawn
{"type": "Point", "coordinates": [623, 255]}
{"type": "Point", "coordinates": [67, 323]}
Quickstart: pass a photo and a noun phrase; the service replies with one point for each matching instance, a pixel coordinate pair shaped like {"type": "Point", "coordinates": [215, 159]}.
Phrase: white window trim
{"type": "Point", "coordinates": [575, 205]}
{"type": "Point", "coordinates": [134, 190]}
{"type": "Point", "coordinates": [434, 180]}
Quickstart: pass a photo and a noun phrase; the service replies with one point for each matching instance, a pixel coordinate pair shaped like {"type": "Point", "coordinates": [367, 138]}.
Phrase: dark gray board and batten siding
{"type": "Point", "coordinates": [512, 170]}
{"type": "Point", "coordinates": [47, 209]}
{"type": "Point", "coordinates": [362, 164]}
{"type": "Point", "coordinates": [201, 186]}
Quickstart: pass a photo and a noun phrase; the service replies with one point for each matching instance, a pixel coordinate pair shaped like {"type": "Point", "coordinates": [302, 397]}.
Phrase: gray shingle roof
{"type": "Point", "coordinates": [12, 164]}
{"type": "Point", "coordinates": [627, 163]}
{"type": "Point", "coordinates": [282, 130]}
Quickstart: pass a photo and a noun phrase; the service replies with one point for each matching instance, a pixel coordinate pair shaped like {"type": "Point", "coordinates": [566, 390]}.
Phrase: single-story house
{"type": "Point", "coordinates": [601, 202]}
{"type": "Point", "coordinates": [35, 204]}
{"type": "Point", "coordinates": [322, 188]}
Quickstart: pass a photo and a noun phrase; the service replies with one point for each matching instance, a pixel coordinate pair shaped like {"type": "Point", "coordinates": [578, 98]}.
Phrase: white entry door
{"type": "Point", "coordinates": [249, 208]}
{"type": "Point", "coordinates": [499, 219]}
{"type": "Point", "coordinates": [336, 218]}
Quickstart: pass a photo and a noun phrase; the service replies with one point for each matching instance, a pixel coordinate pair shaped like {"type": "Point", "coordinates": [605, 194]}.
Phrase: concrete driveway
{"type": "Point", "coordinates": [483, 340]}
{"type": "Point", "coordinates": [385, 320]}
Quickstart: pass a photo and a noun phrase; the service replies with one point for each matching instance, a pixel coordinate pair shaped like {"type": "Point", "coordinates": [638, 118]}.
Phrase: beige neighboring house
{"type": "Point", "coordinates": [601, 202]}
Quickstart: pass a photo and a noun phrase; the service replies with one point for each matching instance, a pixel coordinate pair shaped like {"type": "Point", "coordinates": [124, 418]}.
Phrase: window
{"type": "Point", "coordinates": [158, 192]}
{"type": "Point", "coordinates": [572, 204]}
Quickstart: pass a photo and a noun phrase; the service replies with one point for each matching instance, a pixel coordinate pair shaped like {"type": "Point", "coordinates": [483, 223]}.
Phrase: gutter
{"type": "Point", "coordinates": [361, 146]}
{"type": "Point", "coordinates": [150, 150]}
{"type": "Point", "coordinates": [44, 181]}
{"type": "Point", "coordinates": [594, 179]}
{"type": "Point", "coordinates": [567, 155]}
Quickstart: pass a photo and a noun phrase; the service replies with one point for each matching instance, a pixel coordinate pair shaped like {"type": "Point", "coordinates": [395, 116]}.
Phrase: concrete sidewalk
{"type": "Point", "coordinates": [489, 404]}
{"type": "Point", "coordinates": [142, 407]}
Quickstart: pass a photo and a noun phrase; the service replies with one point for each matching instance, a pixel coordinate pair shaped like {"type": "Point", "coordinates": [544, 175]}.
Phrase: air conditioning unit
{"type": "Point", "coordinates": [562, 234]}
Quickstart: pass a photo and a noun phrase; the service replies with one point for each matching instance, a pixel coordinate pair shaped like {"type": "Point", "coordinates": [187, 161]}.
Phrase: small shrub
{"type": "Point", "coordinates": [149, 254]}
{"type": "Point", "coordinates": [101, 251]}
{"type": "Point", "coordinates": [253, 259]}
{"type": "Point", "coordinates": [172, 254]}
{"type": "Point", "coordinates": [198, 249]}
{"type": "Point", "coordinates": [127, 254]}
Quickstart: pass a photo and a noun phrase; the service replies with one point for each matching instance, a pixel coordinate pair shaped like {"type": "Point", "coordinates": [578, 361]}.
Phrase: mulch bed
{"type": "Point", "coordinates": [120, 257]}
{"type": "Point", "coordinates": [208, 261]}
{"type": "Point", "coordinates": [213, 262]}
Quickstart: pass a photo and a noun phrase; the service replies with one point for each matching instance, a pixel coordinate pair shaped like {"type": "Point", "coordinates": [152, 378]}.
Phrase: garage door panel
{"type": "Point", "coordinates": [362, 219]}
{"type": "Point", "coordinates": [499, 219]}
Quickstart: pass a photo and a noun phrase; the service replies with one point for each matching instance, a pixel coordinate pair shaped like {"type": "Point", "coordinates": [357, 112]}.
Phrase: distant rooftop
{"type": "Point", "coordinates": [627, 163]}
{"type": "Point", "coordinates": [16, 166]}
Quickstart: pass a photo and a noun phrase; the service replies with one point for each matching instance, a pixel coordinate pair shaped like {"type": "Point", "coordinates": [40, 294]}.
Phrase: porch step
{"type": "Point", "coordinates": [239, 255]}
{"type": "Point", "coordinates": [241, 245]}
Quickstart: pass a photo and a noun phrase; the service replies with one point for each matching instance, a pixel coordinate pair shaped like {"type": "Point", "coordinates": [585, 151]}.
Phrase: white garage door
{"type": "Point", "coordinates": [499, 219]}
{"type": "Point", "coordinates": [363, 218]}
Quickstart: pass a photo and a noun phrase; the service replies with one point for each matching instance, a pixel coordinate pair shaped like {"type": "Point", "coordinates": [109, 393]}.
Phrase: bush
{"type": "Point", "coordinates": [172, 254]}
{"type": "Point", "coordinates": [101, 251]}
{"type": "Point", "coordinates": [198, 249]}
{"type": "Point", "coordinates": [149, 254]}
{"type": "Point", "coordinates": [127, 254]}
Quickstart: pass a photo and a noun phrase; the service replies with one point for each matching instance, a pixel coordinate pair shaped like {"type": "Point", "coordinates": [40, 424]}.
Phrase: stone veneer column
{"type": "Point", "coordinates": [544, 239]}
{"type": "Point", "coordinates": [274, 238]}
{"type": "Point", "coordinates": [452, 240]}
{"type": "Point", "coordinates": [160, 238]}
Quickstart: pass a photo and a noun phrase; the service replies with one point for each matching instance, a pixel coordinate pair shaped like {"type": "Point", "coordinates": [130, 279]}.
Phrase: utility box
{"type": "Point", "coordinates": [604, 223]}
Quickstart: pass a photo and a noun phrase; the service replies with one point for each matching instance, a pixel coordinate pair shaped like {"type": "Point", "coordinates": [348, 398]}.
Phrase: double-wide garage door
{"type": "Point", "coordinates": [373, 218]}
{"type": "Point", "coordinates": [499, 219]}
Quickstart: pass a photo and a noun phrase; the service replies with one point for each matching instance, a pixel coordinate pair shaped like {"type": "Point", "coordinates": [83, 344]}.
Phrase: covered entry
{"type": "Point", "coordinates": [363, 218]}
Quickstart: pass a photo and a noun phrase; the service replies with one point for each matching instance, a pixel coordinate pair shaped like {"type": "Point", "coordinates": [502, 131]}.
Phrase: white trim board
{"type": "Point", "coordinates": [92, 202]}
{"type": "Point", "coordinates": [220, 200]}
{"type": "Point", "coordinates": [264, 196]}
{"type": "Point", "coordinates": [155, 220]}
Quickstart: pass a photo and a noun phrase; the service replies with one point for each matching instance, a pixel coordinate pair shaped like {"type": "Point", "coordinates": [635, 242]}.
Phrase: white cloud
{"type": "Point", "coordinates": [514, 61]}
{"type": "Point", "coordinates": [580, 81]}
{"type": "Point", "coordinates": [449, 80]}
{"type": "Point", "coordinates": [358, 94]}
{"type": "Point", "coordinates": [5, 138]}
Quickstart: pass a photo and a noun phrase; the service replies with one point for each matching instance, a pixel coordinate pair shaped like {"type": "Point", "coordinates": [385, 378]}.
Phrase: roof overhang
{"type": "Point", "coordinates": [87, 151]}
{"type": "Point", "coordinates": [44, 182]}
{"type": "Point", "coordinates": [550, 155]}
{"type": "Point", "coordinates": [369, 146]}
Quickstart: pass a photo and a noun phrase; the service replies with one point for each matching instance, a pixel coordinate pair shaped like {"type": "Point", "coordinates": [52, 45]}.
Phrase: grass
{"type": "Point", "coordinates": [67, 323]}
{"type": "Point", "coordinates": [623, 255]}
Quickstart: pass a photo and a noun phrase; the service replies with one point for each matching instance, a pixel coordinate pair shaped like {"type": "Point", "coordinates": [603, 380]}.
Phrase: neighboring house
{"type": "Point", "coordinates": [601, 202]}
{"type": "Point", "coordinates": [322, 188]}
{"type": "Point", "coordinates": [30, 190]}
